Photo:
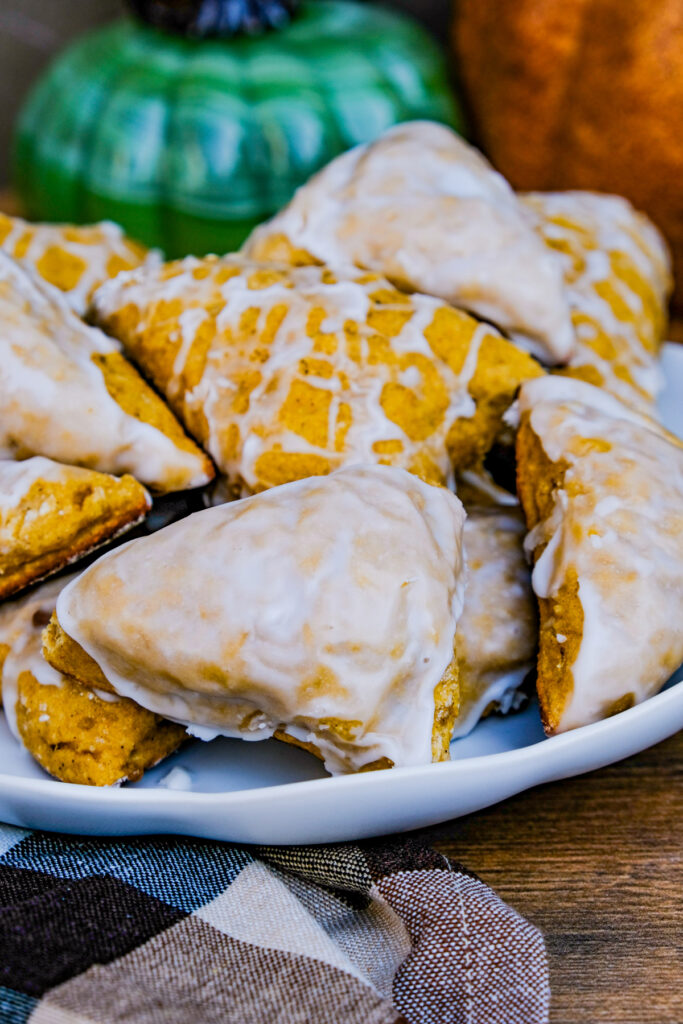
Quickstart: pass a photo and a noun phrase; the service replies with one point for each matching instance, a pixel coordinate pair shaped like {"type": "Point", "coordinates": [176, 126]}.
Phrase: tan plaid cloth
{"type": "Point", "coordinates": [178, 931]}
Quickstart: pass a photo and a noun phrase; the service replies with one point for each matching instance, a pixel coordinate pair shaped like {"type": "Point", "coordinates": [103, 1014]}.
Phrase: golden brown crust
{"type": "Point", "coordinates": [57, 522]}
{"type": "Point", "coordinates": [281, 734]}
{"type": "Point", "coordinates": [68, 657]}
{"type": "Point", "coordinates": [300, 426]}
{"type": "Point", "coordinates": [78, 737]}
{"type": "Point", "coordinates": [446, 707]}
{"type": "Point", "coordinates": [501, 369]}
{"type": "Point", "coordinates": [277, 248]}
{"type": "Point", "coordinates": [561, 615]}
{"type": "Point", "coordinates": [538, 478]}
{"type": "Point", "coordinates": [138, 399]}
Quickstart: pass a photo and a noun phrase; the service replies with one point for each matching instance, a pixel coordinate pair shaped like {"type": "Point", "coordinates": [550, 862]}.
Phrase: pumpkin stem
{"type": "Point", "coordinates": [217, 18]}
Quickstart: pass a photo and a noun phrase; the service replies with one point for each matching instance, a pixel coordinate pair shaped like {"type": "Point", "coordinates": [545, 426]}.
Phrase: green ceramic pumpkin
{"type": "Point", "coordinates": [188, 143]}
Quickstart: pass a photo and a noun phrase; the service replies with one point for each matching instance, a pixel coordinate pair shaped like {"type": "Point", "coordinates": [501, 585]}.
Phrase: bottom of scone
{"type": "Point", "coordinates": [63, 653]}
{"type": "Point", "coordinates": [79, 737]}
{"type": "Point", "coordinates": [311, 748]}
{"type": "Point", "coordinates": [446, 705]}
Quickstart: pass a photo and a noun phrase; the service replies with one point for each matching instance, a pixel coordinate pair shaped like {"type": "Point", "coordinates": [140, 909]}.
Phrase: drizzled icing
{"type": "Point", "coordinates": [54, 398]}
{"type": "Point", "coordinates": [327, 606]}
{"type": "Point", "coordinates": [285, 372]}
{"type": "Point", "coordinates": [498, 631]}
{"type": "Point", "coordinates": [427, 210]}
{"type": "Point", "coordinates": [74, 259]}
{"type": "Point", "coordinates": [617, 522]}
{"type": "Point", "coordinates": [617, 280]}
{"type": "Point", "coordinates": [21, 627]}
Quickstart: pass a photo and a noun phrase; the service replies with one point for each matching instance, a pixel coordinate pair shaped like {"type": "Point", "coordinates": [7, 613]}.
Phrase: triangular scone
{"type": "Point", "coordinates": [324, 610]}
{"type": "Point", "coordinates": [77, 259]}
{"type": "Point", "coordinates": [617, 280]}
{"type": "Point", "coordinates": [68, 393]}
{"type": "Point", "coordinates": [498, 630]}
{"type": "Point", "coordinates": [77, 735]}
{"type": "Point", "coordinates": [602, 491]}
{"type": "Point", "coordinates": [52, 515]}
{"type": "Point", "coordinates": [425, 209]}
{"type": "Point", "coordinates": [284, 372]}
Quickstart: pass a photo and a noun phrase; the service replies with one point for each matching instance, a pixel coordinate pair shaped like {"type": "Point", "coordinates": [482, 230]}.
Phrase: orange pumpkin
{"type": "Point", "coordinates": [581, 94]}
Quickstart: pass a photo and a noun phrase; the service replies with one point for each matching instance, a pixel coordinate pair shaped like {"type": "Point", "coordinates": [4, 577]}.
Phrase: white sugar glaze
{"type": "Point", "coordinates": [425, 209]}
{"type": "Point", "coordinates": [94, 249]}
{"type": "Point", "coordinates": [21, 628]}
{"type": "Point", "coordinates": [54, 398]}
{"type": "Point", "coordinates": [331, 598]}
{"type": "Point", "coordinates": [617, 274]}
{"type": "Point", "coordinates": [618, 522]}
{"type": "Point", "coordinates": [352, 377]}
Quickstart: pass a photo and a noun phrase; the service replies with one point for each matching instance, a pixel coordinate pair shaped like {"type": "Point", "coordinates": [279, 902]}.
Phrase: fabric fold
{"type": "Point", "coordinates": [158, 930]}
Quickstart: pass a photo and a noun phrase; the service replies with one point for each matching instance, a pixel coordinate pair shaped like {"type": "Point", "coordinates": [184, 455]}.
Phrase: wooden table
{"type": "Point", "coordinates": [596, 863]}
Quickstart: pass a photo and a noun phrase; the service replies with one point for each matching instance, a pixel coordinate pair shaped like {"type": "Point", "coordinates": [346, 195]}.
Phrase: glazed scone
{"type": "Point", "coordinates": [76, 259]}
{"type": "Point", "coordinates": [497, 632]}
{"type": "Point", "coordinates": [284, 372]}
{"type": "Point", "coordinates": [68, 393]}
{"type": "Point", "coordinates": [602, 491]}
{"type": "Point", "coordinates": [618, 280]}
{"type": "Point", "coordinates": [18, 617]}
{"type": "Point", "coordinates": [77, 735]}
{"type": "Point", "coordinates": [426, 210]}
{"type": "Point", "coordinates": [324, 609]}
{"type": "Point", "coordinates": [52, 515]}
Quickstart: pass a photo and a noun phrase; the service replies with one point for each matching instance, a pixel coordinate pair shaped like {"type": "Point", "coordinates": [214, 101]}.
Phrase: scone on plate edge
{"type": "Point", "coordinates": [323, 610]}
{"type": "Point", "coordinates": [75, 734]}
{"type": "Point", "coordinates": [602, 491]}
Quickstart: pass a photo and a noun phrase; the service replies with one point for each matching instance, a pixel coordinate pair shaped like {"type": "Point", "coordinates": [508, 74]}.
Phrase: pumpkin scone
{"type": "Point", "coordinates": [617, 280]}
{"type": "Point", "coordinates": [602, 491]}
{"type": "Point", "coordinates": [52, 515]}
{"type": "Point", "coordinates": [76, 259]}
{"type": "Point", "coordinates": [68, 393]}
{"type": "Point", "coordinates": [323, 611]}
{"type": "Point", "coordinates": [426, 210]}
{"type": "Point", "coordinates": [497, 632]}
{"type": "Point", "coordinates": [284, 372]}
{"type": "Point", "coordinates": [76, 734]}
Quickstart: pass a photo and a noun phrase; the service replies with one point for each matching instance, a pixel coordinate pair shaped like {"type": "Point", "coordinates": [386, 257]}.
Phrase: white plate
{"type": "Point", "coordinates": [271, 793]}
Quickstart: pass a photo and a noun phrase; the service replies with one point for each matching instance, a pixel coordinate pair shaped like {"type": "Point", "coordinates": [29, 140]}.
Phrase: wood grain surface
{"type": "Point", "coordinates": [596, 863]}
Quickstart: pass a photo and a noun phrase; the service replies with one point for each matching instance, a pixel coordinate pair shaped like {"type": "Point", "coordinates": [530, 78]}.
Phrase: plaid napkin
{"type": "Point", "coordinates": [177, 931]}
